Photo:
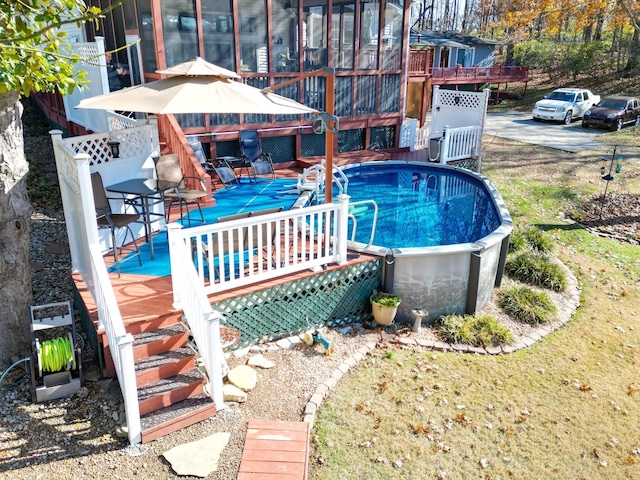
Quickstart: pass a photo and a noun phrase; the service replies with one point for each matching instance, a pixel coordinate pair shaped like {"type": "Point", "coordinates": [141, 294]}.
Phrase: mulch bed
{"type": "Point", "coordinates": [615, 216]}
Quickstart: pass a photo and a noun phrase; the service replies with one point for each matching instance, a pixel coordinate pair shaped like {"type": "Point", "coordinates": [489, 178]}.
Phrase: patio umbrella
{"type": "Point", "coordinates": [196, 87]}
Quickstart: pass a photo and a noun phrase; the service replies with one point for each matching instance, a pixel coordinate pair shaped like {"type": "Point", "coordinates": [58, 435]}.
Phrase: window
{"type": "Point", "coordinates": [180, 33]}
{"type": "Point", "coordinates": [217, 32]}
{"type": "Point", "coordinates": [285, 35]}
{"type": "Point", "coordinates": [253, 36]}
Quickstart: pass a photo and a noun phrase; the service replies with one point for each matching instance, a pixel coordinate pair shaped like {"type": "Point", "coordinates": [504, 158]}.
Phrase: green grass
{"type": "Point", "coordinates": [566, 408]}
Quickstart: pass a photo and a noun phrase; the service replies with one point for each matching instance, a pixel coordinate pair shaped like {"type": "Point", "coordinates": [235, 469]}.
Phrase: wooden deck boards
{"type": "Point", "coordinates": [275, 450]}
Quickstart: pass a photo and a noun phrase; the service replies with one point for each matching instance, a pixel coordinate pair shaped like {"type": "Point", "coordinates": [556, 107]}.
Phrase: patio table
{"type": "Point", "coordinates": [145, 192]}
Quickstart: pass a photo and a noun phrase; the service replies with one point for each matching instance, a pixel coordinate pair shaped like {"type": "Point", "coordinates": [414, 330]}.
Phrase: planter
{"type": "Point", "coordinates": [384, 308]}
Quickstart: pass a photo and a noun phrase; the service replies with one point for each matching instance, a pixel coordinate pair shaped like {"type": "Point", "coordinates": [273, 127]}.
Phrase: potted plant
{"type": "Point", "coordinates": [384, 307]}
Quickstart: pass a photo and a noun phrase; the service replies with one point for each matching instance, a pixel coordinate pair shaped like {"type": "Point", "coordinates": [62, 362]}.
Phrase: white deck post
{"type": "Point", "coordinates": [215, 358]}
{"type": "Point", "coordinates": [173, 230]}
{"type": "Point", "coordinates": [342, 224]}
{"type": "Point", "coordinates": [129, 388]}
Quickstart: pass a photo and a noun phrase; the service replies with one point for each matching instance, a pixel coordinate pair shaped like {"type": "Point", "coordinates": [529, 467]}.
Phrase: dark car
{"type": "Point", "coordinates": [613, 112]}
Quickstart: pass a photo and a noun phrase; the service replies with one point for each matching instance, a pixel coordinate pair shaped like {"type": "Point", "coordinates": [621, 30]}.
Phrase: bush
{"type": "Point", "coordinates": [526, 305]}
{"type": "Point", "coordinates": [536, 268]}
{"type": "Point", "coordinates": [539, 240]}
{"type": "Point", "coordinates": [478, 330]}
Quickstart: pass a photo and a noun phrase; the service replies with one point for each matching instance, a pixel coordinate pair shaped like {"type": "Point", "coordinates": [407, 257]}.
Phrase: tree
{"type": "Point", "coordinates": [34, 56]}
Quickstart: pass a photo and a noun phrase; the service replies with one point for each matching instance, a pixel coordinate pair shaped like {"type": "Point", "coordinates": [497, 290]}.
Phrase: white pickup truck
{"type": "Point", "coordinates": [564, 105]}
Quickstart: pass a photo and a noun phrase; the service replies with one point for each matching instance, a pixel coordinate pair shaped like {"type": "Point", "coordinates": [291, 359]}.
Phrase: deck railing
{"type": "Point", "coordinates": [260, 247]}
{"type": "Point", "coordinates": [203, 321]}
{"type": "Point", "coordinates": [120, 342]}
{"type": "Point", "coordinates": [460, 143]}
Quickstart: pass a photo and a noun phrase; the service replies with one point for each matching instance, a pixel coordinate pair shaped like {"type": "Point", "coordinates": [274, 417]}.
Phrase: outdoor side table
{"type": "Point", "coordinates": [145, 193]}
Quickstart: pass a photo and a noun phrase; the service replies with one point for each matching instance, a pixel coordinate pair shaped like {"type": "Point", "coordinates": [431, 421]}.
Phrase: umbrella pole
{"type": "Point", "coordinates": [328, 184]}
{"type": "Point", "coordinates": [329, 74]}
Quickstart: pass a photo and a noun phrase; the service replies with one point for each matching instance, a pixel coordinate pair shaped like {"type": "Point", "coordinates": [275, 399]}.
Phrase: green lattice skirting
{"type": "Point", "coordinates": [331, 298]}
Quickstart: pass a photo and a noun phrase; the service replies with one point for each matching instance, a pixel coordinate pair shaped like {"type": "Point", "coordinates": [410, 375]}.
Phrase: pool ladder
{"type": "Point", "coordinates": [358, 209]}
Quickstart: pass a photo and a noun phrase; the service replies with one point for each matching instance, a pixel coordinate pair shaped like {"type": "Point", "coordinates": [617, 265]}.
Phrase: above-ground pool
{"type": "Point", "coordinates": [443, 232]}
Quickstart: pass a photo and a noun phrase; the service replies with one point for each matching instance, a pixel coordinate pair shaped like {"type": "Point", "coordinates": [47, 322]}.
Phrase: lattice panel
{"type": "Point", "coordinates": [470, 164]}
{"type": "Point", "coordinates": [382, 137]}
{"type": "Point", "coordinates": [331, 298]}
{"type": "Point", "coordinates": [457, 98]}
{"type": "Point", "coordinates": [133, 142]}
{"type": "Point", "coordinates": [229, 148]}
{"type": "Point", "coordinates": [312, 145]}
{"type": "Point", "coordinates": [351, 140]}
{"type": "Point", "coordinates": [280, 148]}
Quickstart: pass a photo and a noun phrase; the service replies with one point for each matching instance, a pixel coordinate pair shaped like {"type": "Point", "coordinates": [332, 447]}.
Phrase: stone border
{"type": "Point", "coordinates": [565, 312]}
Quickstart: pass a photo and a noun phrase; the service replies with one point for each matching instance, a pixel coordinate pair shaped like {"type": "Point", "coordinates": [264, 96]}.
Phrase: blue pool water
{"type": "Point", "coordinates": [420, 206]}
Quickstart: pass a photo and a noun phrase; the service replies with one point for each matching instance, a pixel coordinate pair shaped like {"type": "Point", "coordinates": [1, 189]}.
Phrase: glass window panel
{"type": "Point", "coordinates": [253, 36]}
{"type": "Point", "coordinates": [314, 35]}
{"type": "Point", "coordinates": [342, 34]}
{"type": "Point", "coordinates": [217, 32]}
{"type": "Point", "coordinates": [179, 29]}
{"type": "Point", "coordinates": [285, 36]}
{"type": "Point", "coordinates": [369, 27]}
{"type": "Point", "coordinates": [146, 36]}
{"type": "Point", "coordinates": [392, 35]}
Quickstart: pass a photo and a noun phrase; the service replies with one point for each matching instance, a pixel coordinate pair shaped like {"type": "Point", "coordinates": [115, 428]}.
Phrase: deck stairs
{"type": "Point", "coordinates": [171, 387]}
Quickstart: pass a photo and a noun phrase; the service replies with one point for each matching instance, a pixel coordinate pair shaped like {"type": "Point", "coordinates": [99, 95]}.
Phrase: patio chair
{"type": "Point", "coordinates": [168, 170]}
{"type": "Point", "coordinates": [226, 175]}
{"type": "Point", "coordinates": [114, 221]}
{"type": "Point", "coordinates": [251, 148]}
{"type": "Point", "coordinates": [206, 164]}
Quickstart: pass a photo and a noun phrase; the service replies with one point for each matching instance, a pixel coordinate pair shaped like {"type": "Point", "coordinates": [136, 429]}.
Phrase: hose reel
{"type": "Point", "coordinates": [56, 359]}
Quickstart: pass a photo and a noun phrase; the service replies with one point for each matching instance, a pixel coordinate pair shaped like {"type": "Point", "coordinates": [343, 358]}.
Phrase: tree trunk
{"type": "Point", "coordinates": [15, 228]}
{"type": "Point", "coordinates": [634, 52]}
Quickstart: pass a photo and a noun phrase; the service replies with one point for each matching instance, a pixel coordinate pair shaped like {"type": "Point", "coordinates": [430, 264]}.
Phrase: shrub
{"type": "Point", "coordinates": [478, 330]}
{"type": "Point", "coordinates": [538, 240]}
{"type": "Point", "coordinates": [536, 268]}
{"type": "Point", "coordinates": [526, 305]}
{"type": "Point", "coordinates": [517, 241]}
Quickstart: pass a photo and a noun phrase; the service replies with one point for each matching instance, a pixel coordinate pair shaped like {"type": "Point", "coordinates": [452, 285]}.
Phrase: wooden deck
{"type": "Point", "coordinates": [275, 450]}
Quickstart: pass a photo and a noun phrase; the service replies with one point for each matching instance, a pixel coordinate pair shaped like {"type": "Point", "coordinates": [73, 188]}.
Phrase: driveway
{"type": "Point", "coordinates": [521, 127]}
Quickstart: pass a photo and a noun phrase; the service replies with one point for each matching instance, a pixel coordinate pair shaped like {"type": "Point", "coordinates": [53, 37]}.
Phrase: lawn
{"type": "Point", "coordinates": [567, 408]}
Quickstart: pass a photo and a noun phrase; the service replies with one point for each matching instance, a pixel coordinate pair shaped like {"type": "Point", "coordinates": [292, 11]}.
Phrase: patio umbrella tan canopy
{"type": "Point", "coordinates": [196, 87]}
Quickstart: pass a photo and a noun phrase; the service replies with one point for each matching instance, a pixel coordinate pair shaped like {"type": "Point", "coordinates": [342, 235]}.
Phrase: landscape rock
{"type": "Point", "coordinates": [233, 394]}
{"type": "Point", "coordinates": [244, 377]}
{"type": "Point", "coordinates": [198, 458]}
{"type": "Point", "coordinates": [260, 361]}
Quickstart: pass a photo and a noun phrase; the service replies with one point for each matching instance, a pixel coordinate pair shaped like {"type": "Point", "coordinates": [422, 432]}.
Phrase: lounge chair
{"type": "Point", "coordinates": [261, 163]}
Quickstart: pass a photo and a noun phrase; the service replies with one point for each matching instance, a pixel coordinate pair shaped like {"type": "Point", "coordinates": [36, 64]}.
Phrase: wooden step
{"type": "Point", "coordinates": [277, 450]}
{"type": "Point", "coordinates": [160, 340]}
{"type": "Point", "coordinates": [177, 416]}
{"type": "Point", "coordinates": [136, 328]}
{"type": "Point", "coordinates": [168, 391]}
{"type": "Point", "coordinates": [167, 364]}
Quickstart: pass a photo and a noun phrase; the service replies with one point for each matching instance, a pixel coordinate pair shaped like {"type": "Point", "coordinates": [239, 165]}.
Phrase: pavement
{"type": "Point", "coordinates": [521, 127]}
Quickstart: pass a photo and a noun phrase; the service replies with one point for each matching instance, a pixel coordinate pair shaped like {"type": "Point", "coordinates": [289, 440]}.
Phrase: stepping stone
{"type": "Point", "coordinates": [231, 393]}
{"type": "Point", "coordinates": [244, 377]}
{"type": "Point", "coordinates": [260, 361]}
{"type": "Point", "coordinates": [198, 458]}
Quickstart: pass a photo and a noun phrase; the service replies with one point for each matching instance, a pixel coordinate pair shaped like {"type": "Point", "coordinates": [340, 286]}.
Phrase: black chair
{"type": "Point", "coordinates": [114, 221]}
{"type": "Point", "coordinates": [251, 148]}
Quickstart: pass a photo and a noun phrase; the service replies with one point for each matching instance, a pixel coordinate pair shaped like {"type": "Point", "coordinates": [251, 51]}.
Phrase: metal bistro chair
{"type": "Point", "coordinates": [251, 148]}
{"type": "Point", "coordinates": [168, 170]}
{"type": "Point", "coordinates": [114, 221]}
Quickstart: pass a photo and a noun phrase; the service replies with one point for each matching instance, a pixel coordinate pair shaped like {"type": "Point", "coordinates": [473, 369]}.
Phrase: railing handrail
{"type": "Point", "coordinates": [203, 321]}
{"type": "Point", "coordinates": [120, 341]}
{"type": "Point", "coordinates": [251, 250]}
